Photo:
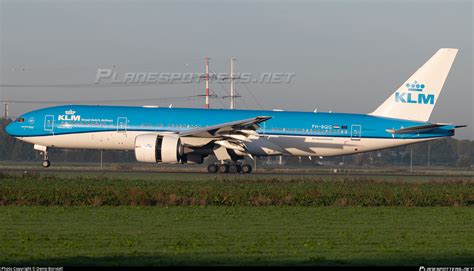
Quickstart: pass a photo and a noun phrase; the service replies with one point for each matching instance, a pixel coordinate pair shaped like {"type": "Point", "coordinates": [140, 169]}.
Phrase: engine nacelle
{"type": "Point", "coordinates": [154, 148]}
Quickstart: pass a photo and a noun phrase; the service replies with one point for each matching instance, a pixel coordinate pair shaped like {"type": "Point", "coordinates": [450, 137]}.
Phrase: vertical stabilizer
{"type": "Point", "coordinates": [416, 98]}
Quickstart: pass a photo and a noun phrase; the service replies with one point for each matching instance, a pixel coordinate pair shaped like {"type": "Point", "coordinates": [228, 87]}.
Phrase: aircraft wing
{"type": "Point", "coordinates": [239, 127]}
{"type": "Point", "coordinates": [229, 135]}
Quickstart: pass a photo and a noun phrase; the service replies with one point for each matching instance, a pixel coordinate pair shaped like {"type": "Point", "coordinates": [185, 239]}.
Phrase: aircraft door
{"type": "Point", "coordinates": [356, 131]}
{"type": "Point", "coordinates": [122, 124]}
{"type": "Point", "coordinates": [49, 123]}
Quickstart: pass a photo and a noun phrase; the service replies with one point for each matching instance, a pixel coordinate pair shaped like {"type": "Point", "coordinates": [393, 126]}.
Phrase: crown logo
{"type": "Point", "coordinates": [415, 86]}
{"type": "Point", "coordinates": [70, 112]}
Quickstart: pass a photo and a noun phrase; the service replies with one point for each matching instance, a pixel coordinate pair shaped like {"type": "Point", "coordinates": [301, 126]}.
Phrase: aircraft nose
{"type": "Point", "coordinates": [10, 128]}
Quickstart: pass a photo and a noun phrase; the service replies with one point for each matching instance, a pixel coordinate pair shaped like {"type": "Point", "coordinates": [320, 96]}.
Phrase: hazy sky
{"type": "Point", "coordinates": [347, 56]}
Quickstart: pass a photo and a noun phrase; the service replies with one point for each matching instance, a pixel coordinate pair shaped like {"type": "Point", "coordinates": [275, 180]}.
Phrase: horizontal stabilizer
{"type": "Point", "coordinates": [423, 128]}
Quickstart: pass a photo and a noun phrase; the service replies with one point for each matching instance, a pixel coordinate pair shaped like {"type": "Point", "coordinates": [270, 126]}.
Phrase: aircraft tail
{"type": "Point", "coordinates": [416, 98]}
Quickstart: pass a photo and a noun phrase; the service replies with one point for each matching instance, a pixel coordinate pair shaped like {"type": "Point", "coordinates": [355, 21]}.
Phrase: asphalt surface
{"type": "Point", "coordinates": [292, 172]}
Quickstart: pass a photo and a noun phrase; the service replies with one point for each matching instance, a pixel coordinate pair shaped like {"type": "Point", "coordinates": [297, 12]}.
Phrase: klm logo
{"type": "Point", "coordinates": [414, 95]}
{"type": "Point", "coordinates": [69, 116]}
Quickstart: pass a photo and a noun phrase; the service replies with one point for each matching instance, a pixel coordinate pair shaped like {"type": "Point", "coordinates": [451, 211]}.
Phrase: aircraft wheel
{"type": "Point", "coordinates": [234, 168]}
{"type": "Point", "coordinates": [223, 168]}
{"type": "Point", "coordinates": [212, 168]}
{"type": "Point", "coordinates": [246, 168]}
{"type": "Point", "coordinates": [45, 163]}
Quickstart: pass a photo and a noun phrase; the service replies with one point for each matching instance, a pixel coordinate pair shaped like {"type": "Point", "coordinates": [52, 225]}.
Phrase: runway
{"type": "Point", "coordinates": [264, 172]}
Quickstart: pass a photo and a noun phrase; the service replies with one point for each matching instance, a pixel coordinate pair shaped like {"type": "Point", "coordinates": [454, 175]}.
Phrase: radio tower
{"type": "Point", "coordinates": [232, 78]}
{"type": "Point", "coordinates": [5, 110]}
{"type": "Point", "coordinates": [207, 82]}
{"type": "Point", "coordinates": [232, 84]}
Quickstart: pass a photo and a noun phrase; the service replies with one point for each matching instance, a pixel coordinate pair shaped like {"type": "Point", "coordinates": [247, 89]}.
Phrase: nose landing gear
{"type": "Point", "coordinates": [44, 155]}
{"type": "Point", "coordinates": [45, 162]}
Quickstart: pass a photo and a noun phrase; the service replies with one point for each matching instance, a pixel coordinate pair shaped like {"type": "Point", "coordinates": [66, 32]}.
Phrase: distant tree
{"type": "Point", "coordinates": [443, 152]}
{"type": "Point", "coordinates": [463, 149]}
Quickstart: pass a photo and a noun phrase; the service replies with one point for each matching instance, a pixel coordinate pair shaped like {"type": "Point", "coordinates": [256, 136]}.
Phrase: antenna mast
{"type": "Point", "coordinates": [232, 84]}
{"type": "Point", "coordinates": [232, 78]}
{"type": "Point", "coordinates": [207, 82]}
{"type": "Point", "coordinates": [5, 110]}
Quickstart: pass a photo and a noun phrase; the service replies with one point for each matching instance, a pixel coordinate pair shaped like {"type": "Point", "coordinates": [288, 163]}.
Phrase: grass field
{"type": "Point", "coordinates": [186, 219]}
{"type": "Point", "coordinates": [205, 190]}
{"type": "Point", "coordinates": [236, 236]}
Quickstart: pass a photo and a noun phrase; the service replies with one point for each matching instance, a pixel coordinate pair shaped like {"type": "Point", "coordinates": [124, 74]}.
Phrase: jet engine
{"type": "Point", "coordinates": [154, 148]}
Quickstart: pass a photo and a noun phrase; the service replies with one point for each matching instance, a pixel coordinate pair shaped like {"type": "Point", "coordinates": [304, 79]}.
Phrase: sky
{"type": "Point", "coordinates": [346, 56]}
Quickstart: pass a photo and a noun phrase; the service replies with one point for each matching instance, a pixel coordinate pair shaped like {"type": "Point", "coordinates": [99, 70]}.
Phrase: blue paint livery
{"type": "Point", "coordinates": [72, 119]}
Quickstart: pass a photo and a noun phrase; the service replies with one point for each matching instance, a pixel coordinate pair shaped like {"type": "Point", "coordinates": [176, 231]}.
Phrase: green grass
{"type": "Point", "coordinates": [187, 219]}
{"type": "Point", "coordinates": [205, 190]}
{"type": "Point", "coordinates": [236, 236]}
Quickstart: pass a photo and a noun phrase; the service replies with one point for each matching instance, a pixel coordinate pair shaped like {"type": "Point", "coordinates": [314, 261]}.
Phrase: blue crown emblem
{"type": "Point", "coordinates": [415, 86]}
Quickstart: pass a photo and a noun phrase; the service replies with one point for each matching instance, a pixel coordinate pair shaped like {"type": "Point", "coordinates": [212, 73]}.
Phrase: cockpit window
{"type": "Point", "coordinates": [20, 120]}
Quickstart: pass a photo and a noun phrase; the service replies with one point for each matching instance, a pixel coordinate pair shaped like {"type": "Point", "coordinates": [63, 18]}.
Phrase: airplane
{"type": "Point", "coordinates": [188, 135]}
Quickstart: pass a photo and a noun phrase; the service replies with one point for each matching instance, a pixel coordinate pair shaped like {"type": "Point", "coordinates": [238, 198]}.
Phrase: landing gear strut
{"type": "Point", "coordinates": [229, 168]}
{"type": "Point", "coordinates": [45, 163]}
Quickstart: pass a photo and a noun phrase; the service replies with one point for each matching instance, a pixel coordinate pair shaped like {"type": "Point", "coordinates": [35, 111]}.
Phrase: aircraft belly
{"type": "Point", "coordinates": [309, 146]}
{"type": "Point", "coordinates": [334, 146]}
{"type": "Point", "coordinates": [98, 140]}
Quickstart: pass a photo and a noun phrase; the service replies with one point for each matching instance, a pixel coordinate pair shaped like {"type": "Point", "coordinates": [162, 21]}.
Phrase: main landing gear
{"type": "Point", "coordinates": [229, 168]}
